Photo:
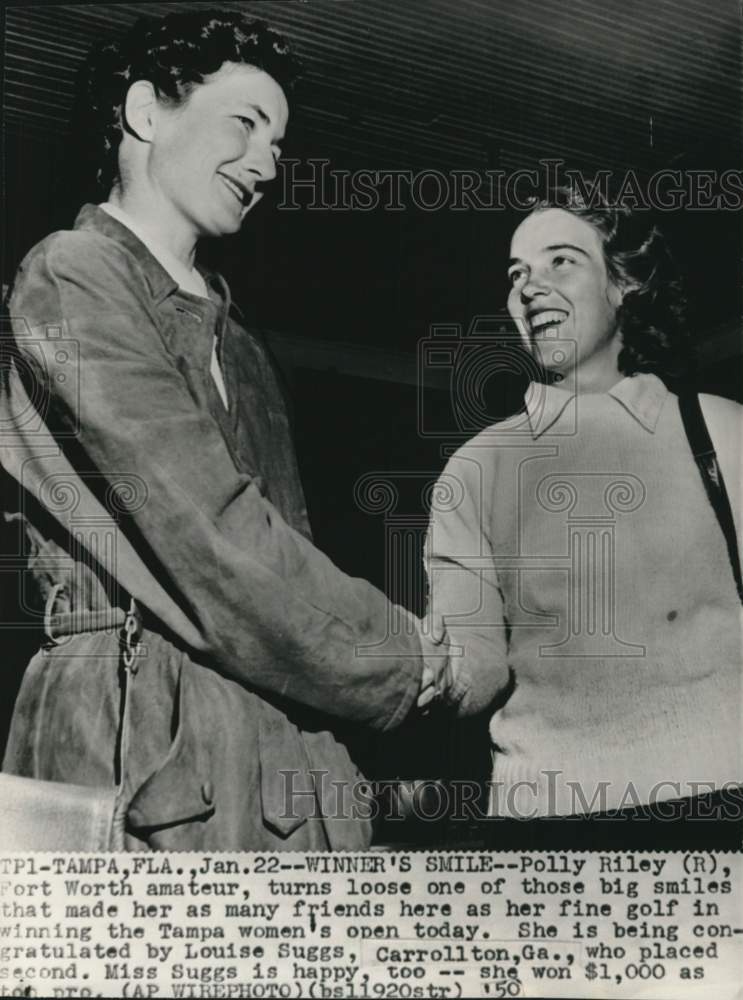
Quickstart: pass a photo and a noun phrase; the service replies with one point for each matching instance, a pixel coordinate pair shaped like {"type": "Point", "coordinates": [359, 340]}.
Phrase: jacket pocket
{"type": "Point", "coordinates": [288, 797]}
{"type": "Point", "coordinates": [179, 790]}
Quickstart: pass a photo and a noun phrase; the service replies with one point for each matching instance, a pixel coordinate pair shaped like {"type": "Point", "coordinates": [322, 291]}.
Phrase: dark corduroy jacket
{"type": "Point", "coordinates": [137, 481]}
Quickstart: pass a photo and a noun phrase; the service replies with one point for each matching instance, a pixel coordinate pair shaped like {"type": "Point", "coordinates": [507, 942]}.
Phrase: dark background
{"type": "Point", "coordinates": [346, 297]}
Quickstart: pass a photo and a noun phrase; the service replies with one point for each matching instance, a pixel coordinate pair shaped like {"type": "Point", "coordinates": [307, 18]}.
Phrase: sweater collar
{"type": "Point", "coordinates": [641, 395]}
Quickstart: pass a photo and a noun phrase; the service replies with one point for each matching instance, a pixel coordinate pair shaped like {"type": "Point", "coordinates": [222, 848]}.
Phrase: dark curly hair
{"type": "Point", "coordinates": [175, 53]}
{"type": "Point", "coordinates": [652, 317]}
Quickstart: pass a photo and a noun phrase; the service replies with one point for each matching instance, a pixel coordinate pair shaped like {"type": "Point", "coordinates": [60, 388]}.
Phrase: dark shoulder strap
{"type": "Point", "coordinates": [709, 468]}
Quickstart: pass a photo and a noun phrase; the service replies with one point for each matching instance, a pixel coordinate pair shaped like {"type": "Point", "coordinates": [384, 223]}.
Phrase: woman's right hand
{"type": "Point", "coordinates": [436, 679]}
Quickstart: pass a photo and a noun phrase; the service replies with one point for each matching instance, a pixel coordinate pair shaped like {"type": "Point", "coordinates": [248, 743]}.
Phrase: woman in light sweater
{"type": "Point", "coordinates": [586, 584]}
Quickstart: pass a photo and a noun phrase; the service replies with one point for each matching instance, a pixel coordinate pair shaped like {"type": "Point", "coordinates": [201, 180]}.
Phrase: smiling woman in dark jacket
{"type": "Point", "coordinates": [161, 495]}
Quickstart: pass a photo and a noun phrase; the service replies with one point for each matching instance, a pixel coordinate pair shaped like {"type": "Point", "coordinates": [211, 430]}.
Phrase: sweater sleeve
{"type": "Point", "coordinates": [463, 585]}
{"type": "Point", "coordinates": [268, 608]}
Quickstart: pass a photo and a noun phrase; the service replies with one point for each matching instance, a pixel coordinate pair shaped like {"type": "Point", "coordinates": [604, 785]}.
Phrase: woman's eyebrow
{"type": "Point", "coordinates": [259, 111]}
{"type": "Point", "coordinates": [567, 246]}
{"type": "Point", "coordinates": [263, 116]}
{"type": "Point", "coordinates": [550, 247]}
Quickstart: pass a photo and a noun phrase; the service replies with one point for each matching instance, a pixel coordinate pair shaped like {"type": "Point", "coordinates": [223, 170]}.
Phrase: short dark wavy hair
{"type": "Point", "coordinates": [652, 316]}
{"type": "Point", "coordinates": [175, 53]}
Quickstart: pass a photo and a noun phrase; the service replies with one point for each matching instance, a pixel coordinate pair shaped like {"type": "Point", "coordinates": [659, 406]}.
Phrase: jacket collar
{"type": "Point", "coordinates": [160, 283]}
{"type": "Point", "coordinates": [188, 277]}
{"type": "Point", "coordinates": [642, 395]}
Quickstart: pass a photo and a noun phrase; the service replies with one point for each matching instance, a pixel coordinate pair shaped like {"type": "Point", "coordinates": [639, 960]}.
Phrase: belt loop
{"type": "Point", "coordinates": [131, 634]}
{"type": "Point", "coordinates": [49, 612]}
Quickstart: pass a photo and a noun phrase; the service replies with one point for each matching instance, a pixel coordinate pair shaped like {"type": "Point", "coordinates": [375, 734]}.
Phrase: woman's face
{"type": "Point", "coordinates": [561, 297]}
{"type": "Point", "coordinates": [207, 154]}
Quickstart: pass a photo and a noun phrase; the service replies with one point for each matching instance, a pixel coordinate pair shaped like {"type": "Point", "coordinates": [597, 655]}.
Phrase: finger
{"type": "Point", "coordinates": [426, 696]}
{"type": "Point", "coordinates": [437, 627]}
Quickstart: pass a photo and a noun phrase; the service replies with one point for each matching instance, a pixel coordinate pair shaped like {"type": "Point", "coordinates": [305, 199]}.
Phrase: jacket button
{"type": "Point", "coordinates": [672, 615]}
{"type": "Point", "coordinates": [207, 792]}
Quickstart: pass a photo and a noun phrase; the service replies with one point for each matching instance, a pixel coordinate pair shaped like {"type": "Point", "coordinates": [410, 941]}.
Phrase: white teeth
{"type": "Point", "coordinates": [232, 186]}
{"type": "Point", "coordinates": [548, 318]}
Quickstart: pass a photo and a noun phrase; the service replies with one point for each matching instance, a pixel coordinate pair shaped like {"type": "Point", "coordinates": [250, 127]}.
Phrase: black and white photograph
{"type": "Point", "coordinates": [371, 482]}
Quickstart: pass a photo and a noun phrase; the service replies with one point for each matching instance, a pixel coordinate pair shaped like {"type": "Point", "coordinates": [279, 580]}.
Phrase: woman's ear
{"type": "Point", "coordinates": [139, 110]}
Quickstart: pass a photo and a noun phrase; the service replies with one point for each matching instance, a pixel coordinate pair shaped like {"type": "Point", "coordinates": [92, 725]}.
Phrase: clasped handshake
{"type": "Point", "coordinates": [438, 679]}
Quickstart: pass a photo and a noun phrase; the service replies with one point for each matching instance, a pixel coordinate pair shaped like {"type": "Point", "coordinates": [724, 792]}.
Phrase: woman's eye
{"type": "Point", "coordinates": [560, 260]}
{"type": "Point", "coordinates": [515, 276]}
{"type": "Point", "coordinates": [247, 122]}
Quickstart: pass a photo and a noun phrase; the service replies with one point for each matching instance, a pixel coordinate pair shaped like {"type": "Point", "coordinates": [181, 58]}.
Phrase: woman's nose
{"type": "Point", "coordinates": [535, 285]}
{"type": "Point", "coordinates": [262, 163]}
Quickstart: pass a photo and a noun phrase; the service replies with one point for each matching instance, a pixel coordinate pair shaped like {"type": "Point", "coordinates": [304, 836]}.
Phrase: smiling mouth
{"type": "Point", "coordinates": [243, 195]}
{"type": "Point", "coordinates": [545, 323]}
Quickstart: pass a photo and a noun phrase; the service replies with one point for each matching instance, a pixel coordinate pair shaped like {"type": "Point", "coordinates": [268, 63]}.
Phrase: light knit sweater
{"type": "Point", "coordinates": [586, 588]}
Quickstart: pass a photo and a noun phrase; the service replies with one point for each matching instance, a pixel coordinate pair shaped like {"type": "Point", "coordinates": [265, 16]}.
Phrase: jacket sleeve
{"type": "Point", "coordinates": [269, 609]}
{"type": "Point", "coordinates": [463, 588]}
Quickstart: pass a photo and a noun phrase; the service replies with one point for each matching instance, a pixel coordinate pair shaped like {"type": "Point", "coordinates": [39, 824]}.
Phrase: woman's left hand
{"type": "Point", "coordinates": [436, 678]}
